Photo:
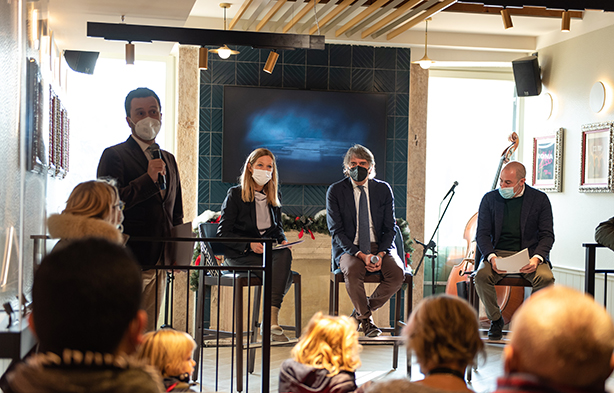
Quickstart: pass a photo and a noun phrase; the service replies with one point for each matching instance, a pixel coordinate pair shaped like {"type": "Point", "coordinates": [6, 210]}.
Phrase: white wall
{"type": "Point", "coordinates": [570, 69]}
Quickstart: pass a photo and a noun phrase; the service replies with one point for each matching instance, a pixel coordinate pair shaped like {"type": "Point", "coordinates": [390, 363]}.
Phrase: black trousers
{"type": "Point", "coordinates": [282, 275]}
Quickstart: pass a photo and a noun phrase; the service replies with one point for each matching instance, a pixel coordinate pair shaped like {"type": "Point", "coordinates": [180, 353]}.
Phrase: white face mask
{"type": "Point", "coordinates": [261, 177]}
{"type": "Point", "coordinates": [147, 129]}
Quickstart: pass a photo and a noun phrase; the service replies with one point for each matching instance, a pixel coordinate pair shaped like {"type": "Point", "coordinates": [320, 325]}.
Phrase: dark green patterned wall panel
{"type": "Point", "coordinates": [337, 68]}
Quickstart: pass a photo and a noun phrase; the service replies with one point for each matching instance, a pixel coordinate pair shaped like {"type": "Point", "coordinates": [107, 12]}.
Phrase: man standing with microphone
{"type": "Point", "coordinates": [148, 182]}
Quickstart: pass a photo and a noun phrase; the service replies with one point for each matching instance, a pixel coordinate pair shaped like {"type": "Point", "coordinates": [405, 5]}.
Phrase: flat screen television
{"type": "Point", "coordinates": [308, 131]}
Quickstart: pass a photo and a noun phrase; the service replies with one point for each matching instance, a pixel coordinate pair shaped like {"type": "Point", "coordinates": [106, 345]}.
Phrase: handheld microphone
{"type": "Point", "coordinates": [156, 153]}
{"type": "Point", "coordinates": [451, 189]}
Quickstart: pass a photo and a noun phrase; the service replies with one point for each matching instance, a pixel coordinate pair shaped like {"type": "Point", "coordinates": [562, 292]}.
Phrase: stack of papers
{"type": "Point", "coordinates": [514, 263]}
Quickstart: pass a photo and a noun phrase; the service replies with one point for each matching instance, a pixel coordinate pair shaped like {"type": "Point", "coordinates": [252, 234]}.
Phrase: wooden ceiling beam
{"type": "Point", "coordinates": [301, 14]}
{"type": "Point", "coordinates": [239, 14]}
{"type": "Point", "coordinates": [396, 14]}
{"type": "Point", "coordinates": [370, 9]}
{"type": "Point", "coordinates": [524, 11]}
{"type": "Point", "coordinates": [427, 14]}
{"type": "Point", "coordinates": [270, 14]}
{"type": "Point", "coordinates": [328, 17]}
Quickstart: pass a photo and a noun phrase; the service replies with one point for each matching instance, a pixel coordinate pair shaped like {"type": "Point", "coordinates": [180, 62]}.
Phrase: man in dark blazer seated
{"type": "Point", "coordinates": [360, 218]}
{"type": "Point", "coordinates": [149, 187]}
{"type": "Point", "coordinates": [510, 219]}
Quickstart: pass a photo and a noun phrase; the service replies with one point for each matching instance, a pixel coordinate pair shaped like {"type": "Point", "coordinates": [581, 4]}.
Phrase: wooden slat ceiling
{"type": "Point", "coordinates": [387, 18]}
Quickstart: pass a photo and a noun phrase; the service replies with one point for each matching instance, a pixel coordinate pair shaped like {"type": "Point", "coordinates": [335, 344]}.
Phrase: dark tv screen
{"type": "Point", "coordinates": [307, 131]}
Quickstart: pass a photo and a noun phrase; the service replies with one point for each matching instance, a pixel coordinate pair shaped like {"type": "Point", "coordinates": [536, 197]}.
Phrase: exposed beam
{"type": "Point", "coordinates": [270, 14]}
{"type": "Point", "coordinates": [524, 11]}
{"type": "Point", "coordinates": [430, 12]}
{"type": "Point", "coordinates": [400, 11]}
{"type": "Point", "coordinates": [255, 14]}
{"type": "Point", "coordinates": [412, 14]}
{"type": "Point", "coordinates": [341, 17]}
{"type": "Point", "coordinates": [202, 37]}
{"type": "Point", "coordinates": [282, 19]}
{"type": "Point", "coordinates": [300, 15]}
{"type": "Point", "coordinates": [239, 14]}
{"type": "Point", "coordinates": [370, 9]}
{"type": "Point", "coordinates": [320, 12]}
{"type": "Point", "coordinates": [572, 5]}
{"type": "Point", "coordinates": [328, 17]}
{"type": "Point", "coordinates": [381, 12]}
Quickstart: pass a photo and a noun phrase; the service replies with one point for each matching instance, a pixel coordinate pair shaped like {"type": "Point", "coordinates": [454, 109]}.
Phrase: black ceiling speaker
{"type": "Point", "coordinates": [527, 76]}
{"type": "Point", "coordinates": [81, 61]}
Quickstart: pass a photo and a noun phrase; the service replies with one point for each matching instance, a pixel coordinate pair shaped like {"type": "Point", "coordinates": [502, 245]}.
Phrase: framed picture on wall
{"type": "Point", "coordinates": [596, 163]}
{"type": "Point", "coordinates": [548, 162]}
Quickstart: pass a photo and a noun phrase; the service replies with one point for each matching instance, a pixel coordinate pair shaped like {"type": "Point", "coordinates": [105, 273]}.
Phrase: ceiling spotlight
{"type": "Point", "coordinates": [271, 61]}
{"type": "Point", "coordinates": [203, 58]}
{"type": "Point", "coordinates": [566, 22]}
{"type": "Point", "coordinates": [507, 19]}
{"type": "Point", "coordinates": [425, 62]}
{"type": "Point", "coordinates": [130, 53]}
{"type": "Point", "coordinates": [224, 51]}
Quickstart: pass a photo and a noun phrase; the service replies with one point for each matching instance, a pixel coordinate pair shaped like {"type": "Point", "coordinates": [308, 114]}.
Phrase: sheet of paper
{"type": "Point", "coordinates": [514, 263]}
{"type": "Point", "coordinates": [280, 246]}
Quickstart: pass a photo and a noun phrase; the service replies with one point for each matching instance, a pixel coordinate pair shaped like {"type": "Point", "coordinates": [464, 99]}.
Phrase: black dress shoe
{"type": "Point", "coordinates": [369, 328]}
{"type": "Point", "coordinates": [496, 329]}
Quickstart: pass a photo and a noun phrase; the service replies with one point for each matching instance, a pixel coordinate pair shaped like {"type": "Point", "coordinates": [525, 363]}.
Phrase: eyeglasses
{"type": "Point", "coordinates": [121, 205]}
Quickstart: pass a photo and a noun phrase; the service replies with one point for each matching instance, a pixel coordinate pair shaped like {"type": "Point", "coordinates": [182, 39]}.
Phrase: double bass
{"type": "Point", "coordinates": [508, 298]}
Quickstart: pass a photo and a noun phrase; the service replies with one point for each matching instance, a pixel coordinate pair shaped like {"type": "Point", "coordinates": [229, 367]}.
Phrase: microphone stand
{"type": "Point", "coordinates": [431, 246]}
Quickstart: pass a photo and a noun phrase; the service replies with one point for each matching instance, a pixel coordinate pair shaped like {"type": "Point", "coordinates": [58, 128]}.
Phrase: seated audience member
{"type": "Point", "coordinates": [93, 209]}
{"type": "Point", "coordinates": [325, 358]}
{"type": "Point", "coordinates": [443, 331]}
{"type": "Point", "coordinates": [604, 233]}
{"type": "Point", "coordinates": [87, 318]}
{"type": "Point", "coordinates": [562, 341]}
{"type": "Point", "coordinates": [170, 351]}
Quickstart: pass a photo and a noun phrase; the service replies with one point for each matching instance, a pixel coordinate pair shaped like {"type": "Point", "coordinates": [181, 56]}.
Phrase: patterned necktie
{"type": "Point", "coordinates": [364, 240]}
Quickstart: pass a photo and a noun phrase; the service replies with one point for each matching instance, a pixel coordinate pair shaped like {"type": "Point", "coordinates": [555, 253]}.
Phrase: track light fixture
{"type": "Point", "coordinates": [566, 21]}
{"type": "Point", "coordinates": [271, 61]}
{"type": "Point", "coordinates": [507, 19]}
{"type": "Point", "coordinates": [130, 53]}
{"type": "Point", "coordinates": [203, 58]}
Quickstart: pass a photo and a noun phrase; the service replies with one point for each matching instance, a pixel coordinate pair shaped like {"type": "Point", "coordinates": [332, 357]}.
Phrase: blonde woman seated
{"type": "Point", "coordinates": [93, 209]}
{"type": "Point", "coordinates": [443, 332]}
{"type": "Point", "coordinates": [325, 358]}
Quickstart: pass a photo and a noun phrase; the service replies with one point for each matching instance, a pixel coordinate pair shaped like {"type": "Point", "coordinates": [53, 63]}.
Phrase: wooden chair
{"type": "Point", "coordinates": [238, 281]}
{"type": "Point", "coordinates": [336, 278]}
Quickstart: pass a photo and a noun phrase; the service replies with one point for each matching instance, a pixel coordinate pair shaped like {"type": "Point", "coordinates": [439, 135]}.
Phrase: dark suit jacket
{"type": "Point", "coordinates": [146, 213]}
{"type": "Point", "coordinates": [239, 220]}
{"type": "Point", "coordinates": [341, 217]}
{"type": "Point", "coordinates": [536, 226]}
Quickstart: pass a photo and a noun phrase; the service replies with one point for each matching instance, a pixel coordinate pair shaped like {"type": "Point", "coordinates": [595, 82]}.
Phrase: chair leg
{"type": "Point", "coordinates": [254, 327]}
{"type": "Point", "coordinates": [199, 322]}
{"type": "Point", "coordinates": [336, 298]}
{"type": "Point", "coordinates": [298, 309]}
{"type": "Point", "coordinates": [239, 331]}
{"type": "Point", "coordinates": [331, 298]}
{"type": "Point", "coordinates": [396, 327]}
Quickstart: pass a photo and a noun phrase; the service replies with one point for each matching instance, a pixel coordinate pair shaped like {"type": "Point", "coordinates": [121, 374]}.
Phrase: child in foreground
{"type": "Point", "coordinates": [325, 358]}
{"type": "Point", "coordinates": [170, 351]}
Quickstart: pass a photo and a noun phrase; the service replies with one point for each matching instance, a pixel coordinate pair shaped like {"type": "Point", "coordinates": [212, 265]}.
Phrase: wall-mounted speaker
{"type": "Point", "coordinates": [527, 76]}
{"type": "Point", "coordinates": [81, 61]}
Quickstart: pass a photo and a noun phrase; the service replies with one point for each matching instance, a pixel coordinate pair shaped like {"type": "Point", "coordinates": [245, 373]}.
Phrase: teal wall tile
{"type": "Point", "coordinates": [401, 125]}
{"type": "Point", "coordinates": [362, 79]}
{"type": "Point", "coordinates": [340, 78]}
{"type": "Point", "coordinates": [403, 59]}
{"type": "Point", "coordinates": [383, 81]}
{"type": "Point", "coordinates": [204, 143]}
{"type": "Point", "coordinates": [317, 57]}
{"type": "Point", "coordinates": [216, 120]}
{"type": "Point", "coordinates": [400, 150]}
{"type": "Point", "coordinates": [402, 82]}
{"type": "Point", "coordinates": [362, 56]}
{"type": "Point", "coordinates": [402, 105]}
{"type": "Point", "coordinates": [247, 53]}
{"type": "Point", "coordinates": [296, 56]}
{"type": "Point", "coordinates": [222, 72]}
{"type": "Point", "coordinates": [385, 58]}
{"type": "Point", "coordinates": [216, 168]}
{"type": "Point", "coordinates": [203, 191]}
{"type": "Point", "coordinates": [273, 79]}
{"type": "Point", "coordinates": [217, 96]}
{"type": "Point", "coordinates": [400, 173]}
{"type": "Point", "coordinates": [316, 195]}
{"type": "Point", "coordinates": [216, 144]}
{"type": "Point", "coordinates": [291, 194]}
{"type": "Point", "coordinates": [204, 165]}
{"type": "Point", "coordinates": [400, 195]}
{"type": "Point", "coordinates": [248, 74]}
{"type": "Point", "coordinates": [340, 55]}
{"type": "Point", "coordinates": [205, 95]}
{"type": "Point", "coordinates": [204, 120]}
{"type": "Point", "coordinates": [294, 76]}
{"type": "Point", "coordinates": [317, 78]}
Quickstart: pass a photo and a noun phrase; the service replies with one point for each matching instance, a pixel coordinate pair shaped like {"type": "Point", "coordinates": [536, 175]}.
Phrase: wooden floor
{"type": "Point", "coordinates": [376, 365]}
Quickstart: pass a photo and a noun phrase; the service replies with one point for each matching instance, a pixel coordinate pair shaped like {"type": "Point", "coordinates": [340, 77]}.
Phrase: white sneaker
{"type": "Point", "coordinates": [276, 330]}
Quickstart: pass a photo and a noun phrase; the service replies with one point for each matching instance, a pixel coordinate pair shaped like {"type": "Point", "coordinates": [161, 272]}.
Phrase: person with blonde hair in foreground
{"type": "Point", "coordinates": [325, 358]}
{"type": "Point", "coordinates": [562, 341]}
{"type": "Point", "coordinates": [170, 351]}
{"type": "Point", "coordinates": [443, 332]}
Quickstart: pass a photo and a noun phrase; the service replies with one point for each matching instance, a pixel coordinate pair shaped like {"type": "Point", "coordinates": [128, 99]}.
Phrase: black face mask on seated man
{"type": "Point", "coordinates": [358, 173]}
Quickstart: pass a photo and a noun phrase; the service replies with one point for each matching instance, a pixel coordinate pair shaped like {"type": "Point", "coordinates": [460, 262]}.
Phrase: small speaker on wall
{"type": "Point", "coordinates": [527, 76]}
{"type": "Point", "coordinates": [81, 61]}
